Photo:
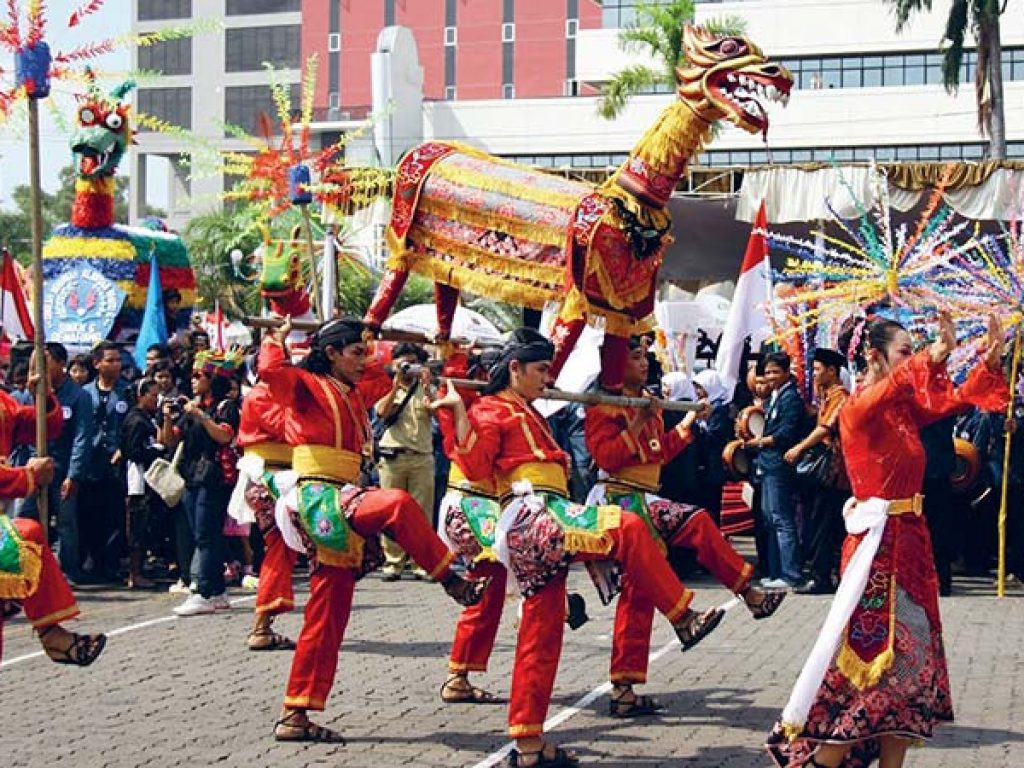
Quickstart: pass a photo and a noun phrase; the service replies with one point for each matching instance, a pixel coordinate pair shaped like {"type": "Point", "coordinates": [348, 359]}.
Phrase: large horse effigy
{"type": "Point", "coordinates": [471, 221]}
{"type": "Point", "coordinates": [92, 242]}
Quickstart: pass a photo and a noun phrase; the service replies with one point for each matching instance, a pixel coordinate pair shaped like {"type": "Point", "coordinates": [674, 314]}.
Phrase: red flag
{"type": "Point", "coordinates": [15, 317]}
{"type": "Point", "coordinates": [748, 315]}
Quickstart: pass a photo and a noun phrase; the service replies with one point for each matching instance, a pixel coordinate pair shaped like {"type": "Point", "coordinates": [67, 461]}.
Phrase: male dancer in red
{"type": "Point", "coordinates": [541, 532]}
{"type": "Point", "coordinates": [630, 446]}
{"type": "Point", "coordinates": [329, 431]}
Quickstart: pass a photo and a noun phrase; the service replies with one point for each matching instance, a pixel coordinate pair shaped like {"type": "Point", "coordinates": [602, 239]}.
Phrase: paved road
{"type": "Point", "coordinates": [173, 691]}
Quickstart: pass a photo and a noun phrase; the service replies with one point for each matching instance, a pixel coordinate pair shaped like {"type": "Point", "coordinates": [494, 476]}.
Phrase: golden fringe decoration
{"type": "Point", "coordinates": [863, 674]}
{"type": "Point", "coordinates": [522, 230]}
{"type": "Point", "coordinates": [600, 542]}
{"type": "Point", "coordinates": [677, 135]}
{"type": "Point", "coordinates": [477, 257]}
{"type": "Point", "coordinates": [350, 558]}
{"type": "Point", "coordinates": [492, 286]}
{"type": "Point", "coordinates": [486, 183]}
{"type": "Point", "coordinates": [577, 307]}
{"type": "Point", "coordinates": [18, 586]}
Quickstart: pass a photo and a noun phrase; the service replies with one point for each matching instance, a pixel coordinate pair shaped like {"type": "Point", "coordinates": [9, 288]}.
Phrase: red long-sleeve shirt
{"type": "Point", "coordinates": [17, 426]}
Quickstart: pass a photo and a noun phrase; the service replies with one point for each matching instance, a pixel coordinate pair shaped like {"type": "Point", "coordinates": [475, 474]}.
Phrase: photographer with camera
{"type": "Point", "coordinates": [405, 444]}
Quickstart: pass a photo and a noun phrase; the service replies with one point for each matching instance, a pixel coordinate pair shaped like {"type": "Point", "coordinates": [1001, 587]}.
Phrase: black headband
{"type": "Point", "coordinates": [339, 333]}
{"type": "Point", "coordinates": [527, 346]}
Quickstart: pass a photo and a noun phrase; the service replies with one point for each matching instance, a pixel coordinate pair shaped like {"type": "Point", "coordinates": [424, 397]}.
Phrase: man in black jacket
{"type": "Point", "coordinates": [784, 422]}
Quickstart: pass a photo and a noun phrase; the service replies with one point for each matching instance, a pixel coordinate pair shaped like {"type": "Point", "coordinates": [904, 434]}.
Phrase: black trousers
{"type": "Point", "coordinates": [101, 523]}
{"type": "Point", "coordinates": [938, 512]}
{"type": "Point", "coordinates": [825, 532]}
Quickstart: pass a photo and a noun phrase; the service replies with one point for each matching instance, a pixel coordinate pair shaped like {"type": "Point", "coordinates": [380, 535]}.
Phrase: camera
{"type": "Point", "coordinates": [176, 406]}
{"type": "Point", "coordinates": [409, 369]}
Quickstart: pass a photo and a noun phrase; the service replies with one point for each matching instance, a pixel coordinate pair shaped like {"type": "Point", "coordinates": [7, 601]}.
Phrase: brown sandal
{"type": "Point", "coordinates": [275, 642]}
{"type": "Point", "coordinates": [698, 626]}
{"type": "Point", "coordinates": [767, 605]}
{"type": "Point", "coordinates": [82, 651]}
{"type": "Point", "coordinates": [468, 695]}
{"type": "Point", "coordinates": [307, 731]}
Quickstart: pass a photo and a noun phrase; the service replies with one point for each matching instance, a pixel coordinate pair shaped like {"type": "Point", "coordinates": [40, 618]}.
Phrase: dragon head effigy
{"type": "Point", "coordinates": [725, 78]}
{"type": "Point", "coordinates": [102, 134]}
{"type": "Point", "coordinates": [282, 280]}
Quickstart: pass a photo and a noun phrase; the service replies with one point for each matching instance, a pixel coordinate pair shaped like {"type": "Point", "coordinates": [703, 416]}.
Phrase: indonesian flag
{"type": "Point", "coordinates": [748, 314]}
{"type": "Point", "coordinates": [16, 319]}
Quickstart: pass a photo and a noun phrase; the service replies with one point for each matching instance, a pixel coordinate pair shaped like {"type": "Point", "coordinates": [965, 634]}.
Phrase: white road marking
{"type": "Point", "coordinates": [118, 631]}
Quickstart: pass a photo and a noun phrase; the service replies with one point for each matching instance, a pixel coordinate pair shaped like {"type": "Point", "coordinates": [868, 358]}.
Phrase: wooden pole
{"type": "Point", "coordinates": [1007, 442]}
{"type": "Point", "coordinates": [314, 289]}
{"type": "Point", "coordinates": [269, 323]}
{"type": "Point", "coordinates": [43, 385]}
{"type": "Point", "coordinates": [596, 398]}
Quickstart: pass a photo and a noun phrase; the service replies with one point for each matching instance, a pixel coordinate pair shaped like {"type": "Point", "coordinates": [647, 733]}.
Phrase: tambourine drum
{"type": "Point", "coordinates": [968, 465]}
{"type": "Point", "coordinates": [736, 460]}
{"type": "Point", "coordinates": [751, 422]}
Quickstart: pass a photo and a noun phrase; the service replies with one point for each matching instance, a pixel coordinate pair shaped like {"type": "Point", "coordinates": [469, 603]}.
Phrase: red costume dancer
{"type": "Point", "coordinates": [467, 523]}
{"type": "Point", "coordinates": [630, 446]}
{"type": "Point", "coordinates": [261, 436]}
{"type": "Point", "coordinates": [541, 532]}
{"type": "Point", "coordinates": [329, 431]}
{"type": "Point", "coordinates": [30, 578]}
{"type": "Point", "coordinates": [876, 679]}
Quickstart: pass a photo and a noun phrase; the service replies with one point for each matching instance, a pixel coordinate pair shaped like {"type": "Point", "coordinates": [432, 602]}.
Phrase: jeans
{"type": "Point", "coordinates": [68, 548]}
{"type": "Point", "coordinates": [780, 517]}
{"type": "Point", "coordinates": [205, 509]}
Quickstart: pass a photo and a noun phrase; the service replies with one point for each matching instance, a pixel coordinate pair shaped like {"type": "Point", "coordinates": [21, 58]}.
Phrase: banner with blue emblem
{"type": "Point", "coordinates": [80, 306]}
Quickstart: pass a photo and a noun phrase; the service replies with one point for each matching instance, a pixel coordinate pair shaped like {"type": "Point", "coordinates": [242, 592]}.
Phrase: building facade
{"type": "Point", "coordinates": [211, 81]}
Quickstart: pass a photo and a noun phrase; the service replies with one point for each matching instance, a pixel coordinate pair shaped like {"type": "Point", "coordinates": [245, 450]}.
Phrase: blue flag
{"type": "Point", "coordinates": [154, 322]}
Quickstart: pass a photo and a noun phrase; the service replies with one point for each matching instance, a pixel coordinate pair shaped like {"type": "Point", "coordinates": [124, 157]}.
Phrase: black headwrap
{"type": "Point", "coordinates": [829, 357]}
{"type": "Point", "coordinates": [525, 345]}
{"type": "Point", "coordinates": [337, 333]}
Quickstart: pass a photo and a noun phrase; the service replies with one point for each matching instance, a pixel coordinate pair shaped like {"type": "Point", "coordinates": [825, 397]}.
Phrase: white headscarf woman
{"type": "Point", "coordinates": [714, 390]}
{"type": "Point", "coordinates": [677, 386]}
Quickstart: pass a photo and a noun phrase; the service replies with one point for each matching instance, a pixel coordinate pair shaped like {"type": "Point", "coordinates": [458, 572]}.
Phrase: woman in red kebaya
{"type": "Point", "coordinates": [876, 679]}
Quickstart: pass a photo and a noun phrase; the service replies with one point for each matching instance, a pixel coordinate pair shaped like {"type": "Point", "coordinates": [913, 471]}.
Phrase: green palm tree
{"type": "Point", "coordinates": [658, 29]}
{"type": "Point", "coordinates": [981, 18]}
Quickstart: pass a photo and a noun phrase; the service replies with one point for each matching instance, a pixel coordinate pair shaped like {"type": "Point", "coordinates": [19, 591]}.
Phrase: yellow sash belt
{"type": "Point", "coordinates": [334, 464]}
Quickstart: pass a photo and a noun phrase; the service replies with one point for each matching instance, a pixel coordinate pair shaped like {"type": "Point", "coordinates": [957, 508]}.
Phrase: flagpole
{"type": "Point", "coordinates": [43, 385]}
{"type": "Point", "coordinates": [1005, 485]}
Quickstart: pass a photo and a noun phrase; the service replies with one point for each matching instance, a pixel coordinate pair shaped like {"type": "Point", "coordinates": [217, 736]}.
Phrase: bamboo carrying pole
{"type": "Point", "coordinates": [37, 302]}
{"type": "Point", "coordinates": [1005, 485]}
{"type": "Point", "coordinates": [307, 227]}
{"type": "Point", "coordinates": [269, 323]}
{"type": "Point", "coordinates": [597, 398]}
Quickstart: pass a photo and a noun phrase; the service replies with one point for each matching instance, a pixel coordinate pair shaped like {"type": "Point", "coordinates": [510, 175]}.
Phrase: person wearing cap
{"type": "Point", "coordinates": [210, 421]}
{"type": "Point", "coordinates": [825, 526]}
{"type": "Point", "coordinates": [630, 446]}
{"type": "Point", "coordinates": [541, 533]}
{"type": "Point", "coordinates": [339, 521]}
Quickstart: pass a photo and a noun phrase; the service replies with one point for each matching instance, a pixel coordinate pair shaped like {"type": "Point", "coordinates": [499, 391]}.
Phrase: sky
{"type": "Point", "coordinates": [113, 18]}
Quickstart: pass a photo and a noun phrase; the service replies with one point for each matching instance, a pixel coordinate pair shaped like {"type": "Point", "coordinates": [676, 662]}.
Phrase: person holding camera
{"type": "Point", "coordinates": [146, 434]}
{"type": "Point", "coordinates": [406, 445]}
{"type": "Point", "coordinates": [209, 421]}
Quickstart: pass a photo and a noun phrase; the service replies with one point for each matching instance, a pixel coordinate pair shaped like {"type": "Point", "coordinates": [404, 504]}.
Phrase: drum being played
{"type": "Point", "coordinates": [737, 460]}
{"type": "Point", "coordinates": [751, 422]}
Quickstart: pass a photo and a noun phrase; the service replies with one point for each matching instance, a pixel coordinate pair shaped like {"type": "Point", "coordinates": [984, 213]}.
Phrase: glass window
{"type": "Point", "coordinates": [951, 152]}
{"type": "Point", "coordinates": [243, 7]}
{"type": "Point", "coordinates": [863, 153]}
{"type": "Point", "coordinates": [1013, 149]}
{"type": "Point", "coordinates": [885, 153]}
{"type": "Point", "coordinates": [155, 10]}
{"type": "Point", "coordinates": [872, 78]}
{"type": "Point", "coordinates": [976, 151]}
{"type": "Point", "coordinates": [243, 104]}
{"type": "Point", "coordinates": [928, 153]}
{"type": "Point", "coordinates": [170, 57]}
{"type": "Point", "coordinates": [801, 155]}
{"type": "Point", "coordinates": [843, 154]}
{"type": "Point", "coordinates": [171, 104]}
{"type": "Point", "coordinates": [852, 78]}
{"type": "Point", "coordinates": [247, 48]}
{"type": "Point", "coordinates": [906, 153]}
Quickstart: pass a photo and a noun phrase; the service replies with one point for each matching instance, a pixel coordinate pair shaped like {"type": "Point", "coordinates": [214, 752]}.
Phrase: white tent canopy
{"type": "Point", "coordinates": [422, 318]}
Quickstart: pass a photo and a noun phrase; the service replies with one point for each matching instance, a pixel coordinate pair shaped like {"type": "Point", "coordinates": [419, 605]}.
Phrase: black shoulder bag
{"type": "Point", "coordinates": [383, 425]}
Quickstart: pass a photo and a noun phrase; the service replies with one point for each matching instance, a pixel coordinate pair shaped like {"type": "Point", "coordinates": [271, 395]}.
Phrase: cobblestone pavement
{"type": "Point", "coordinates": [171, 691]}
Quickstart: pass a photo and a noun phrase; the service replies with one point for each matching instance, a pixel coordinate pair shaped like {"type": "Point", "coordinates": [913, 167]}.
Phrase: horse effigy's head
{"type": "Point", "coordinates": [728, 78]}
{"type": "Point", "coordinates": [102, 131]}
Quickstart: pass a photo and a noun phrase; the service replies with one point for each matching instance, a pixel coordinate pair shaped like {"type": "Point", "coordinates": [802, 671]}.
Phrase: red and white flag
{"type": "Point", "coordinates": [749, 312]}
{"type": "Point", "coordinates": [15, 317]}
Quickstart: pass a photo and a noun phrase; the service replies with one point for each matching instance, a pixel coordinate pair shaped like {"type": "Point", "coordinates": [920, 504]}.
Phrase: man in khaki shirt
{"type": "Point", "coordinates": [406, 448]}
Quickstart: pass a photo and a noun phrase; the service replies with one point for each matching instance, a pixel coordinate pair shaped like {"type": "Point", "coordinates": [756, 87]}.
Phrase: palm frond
{"type": "Point", "coordinates": [626, 83]}
{"type": "Point", "coordinates": [904, 9]}
{"type": "Point", "coordinates": [726, 25]}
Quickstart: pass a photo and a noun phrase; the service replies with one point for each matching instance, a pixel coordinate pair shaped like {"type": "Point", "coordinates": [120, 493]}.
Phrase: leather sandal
{"type": "Point", "coordinates": [465, 592]}
{"type": "Point", "coordinates": [698, 626]}
{"type": "Point", "coordinates": [82, 651]}
{"type": "Point", "coordinates": [274, 641]}
{"type": "Point", "coordinates": [561, 759]}
{"type": "Point", "coordinates": [307, 731]}
{"type": "Point", "coordinates": [767, 605]}
{"type": "Point", "coordinates": [468, 695]}
{"type": "Point", "coordinates": [639, 706]}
